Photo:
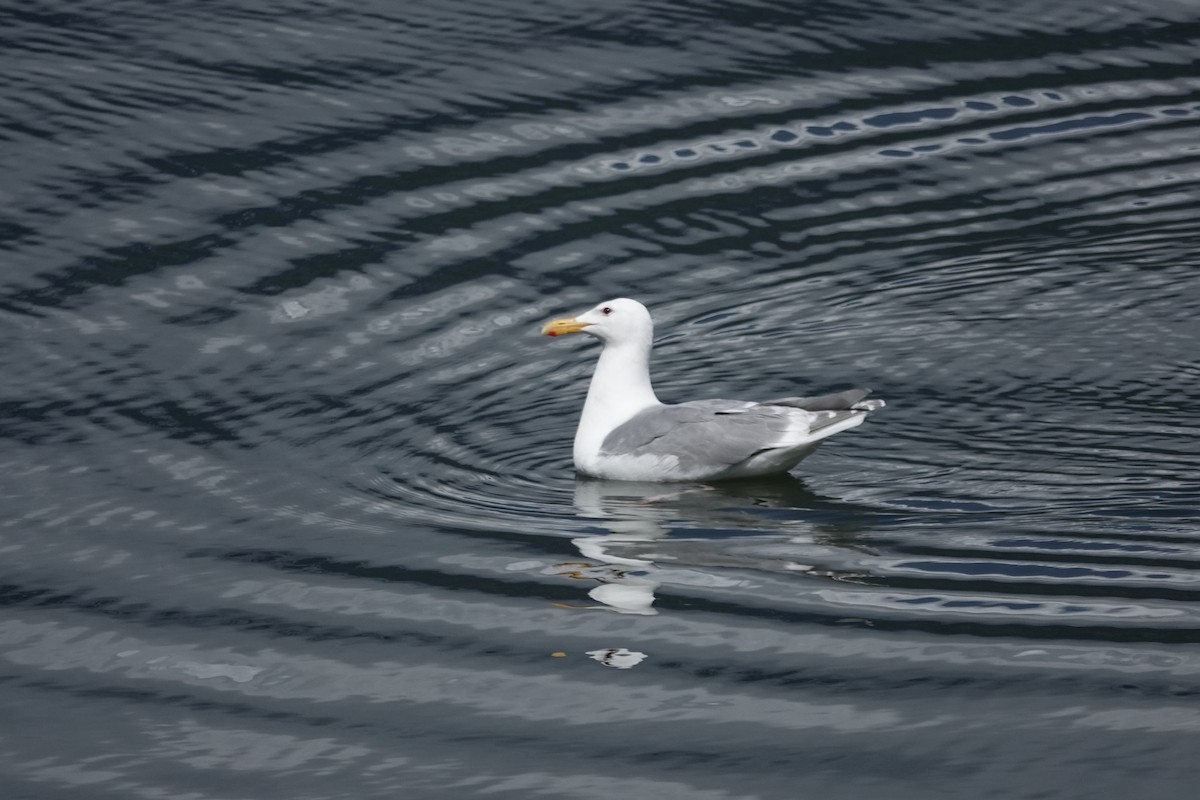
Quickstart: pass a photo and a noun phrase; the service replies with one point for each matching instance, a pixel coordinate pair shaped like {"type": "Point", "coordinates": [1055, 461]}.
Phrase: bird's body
{"type": "Point", "coordinates": [626, 433]}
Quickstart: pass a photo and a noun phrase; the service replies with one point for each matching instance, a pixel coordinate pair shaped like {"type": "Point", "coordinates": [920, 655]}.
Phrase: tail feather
{"type": "Point", "coordinates": [850, 399]}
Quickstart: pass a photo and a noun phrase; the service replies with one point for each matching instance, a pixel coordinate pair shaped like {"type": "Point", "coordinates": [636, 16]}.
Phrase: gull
{"type": "Point", "coordinates": [625, 433]}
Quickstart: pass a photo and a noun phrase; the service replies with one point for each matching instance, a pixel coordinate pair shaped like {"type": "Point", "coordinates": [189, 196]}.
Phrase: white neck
{"type": "Point", "coordinates": [620, 389]}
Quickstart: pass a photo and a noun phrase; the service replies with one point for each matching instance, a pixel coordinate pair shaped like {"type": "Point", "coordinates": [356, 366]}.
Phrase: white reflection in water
{"type": "Point", "coordinates": [633, 513]}
{"type": "Point", "coordinates": [627, 594]}
{"type": "Point", "coordinates": [618, 657]}
{"type": "Point", "coordinates": [640, 518]}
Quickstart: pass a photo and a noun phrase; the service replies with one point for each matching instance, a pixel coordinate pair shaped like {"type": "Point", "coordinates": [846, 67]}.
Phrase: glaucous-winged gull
{"type": "Point", "coordinates": [625, 433]}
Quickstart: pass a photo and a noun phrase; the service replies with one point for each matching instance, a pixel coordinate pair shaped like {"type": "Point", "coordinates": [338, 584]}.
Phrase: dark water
{"type": "Point", "coordinates": [287, 504]}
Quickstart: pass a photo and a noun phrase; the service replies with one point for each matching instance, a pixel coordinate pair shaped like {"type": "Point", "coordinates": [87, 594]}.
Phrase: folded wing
{"type": "Point", "coordinates": [718, 434]}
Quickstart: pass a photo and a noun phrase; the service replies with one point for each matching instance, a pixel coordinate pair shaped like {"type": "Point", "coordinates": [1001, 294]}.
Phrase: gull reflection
{"type": "Point", "coordinates": [617, 657]}
{"type": "Point", "coordinates": [632, 513]}
{"type": "Point", "coordinates": [775, 525]}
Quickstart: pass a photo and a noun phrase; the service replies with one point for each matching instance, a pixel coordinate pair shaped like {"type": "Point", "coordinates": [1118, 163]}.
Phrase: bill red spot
{"type": "Point", "coordinates": [552, 333]}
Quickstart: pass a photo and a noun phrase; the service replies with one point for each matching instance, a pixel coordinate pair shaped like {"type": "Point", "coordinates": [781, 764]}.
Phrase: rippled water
{"type": "Point", "coordinates": [287, 502]}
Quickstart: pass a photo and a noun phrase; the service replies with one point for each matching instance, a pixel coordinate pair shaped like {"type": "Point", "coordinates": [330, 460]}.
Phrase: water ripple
{"type": "Point", "coordinates": [284, 451]}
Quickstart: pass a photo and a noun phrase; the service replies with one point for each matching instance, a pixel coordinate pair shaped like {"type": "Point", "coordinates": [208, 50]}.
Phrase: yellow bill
{"type": "Point", "coordinates": [556, 327]}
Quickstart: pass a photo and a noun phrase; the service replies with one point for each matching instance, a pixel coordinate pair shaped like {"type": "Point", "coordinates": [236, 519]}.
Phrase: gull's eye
{"type": "Point", "coordinates": [606, 311]}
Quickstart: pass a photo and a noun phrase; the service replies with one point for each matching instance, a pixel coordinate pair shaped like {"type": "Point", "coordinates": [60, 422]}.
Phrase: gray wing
{"type": "Point", "coordinates": [709, 432]}
{"type": "Point", "coordinates": [727, 432]}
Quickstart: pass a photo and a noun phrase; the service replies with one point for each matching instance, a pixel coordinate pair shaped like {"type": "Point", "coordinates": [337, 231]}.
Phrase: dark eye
{"type": "Point", "coordinates": [606, 311]}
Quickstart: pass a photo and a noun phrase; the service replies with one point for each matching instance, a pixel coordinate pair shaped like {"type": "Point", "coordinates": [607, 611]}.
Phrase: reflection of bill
{"type": "Point", "coordinates": [617, 657]}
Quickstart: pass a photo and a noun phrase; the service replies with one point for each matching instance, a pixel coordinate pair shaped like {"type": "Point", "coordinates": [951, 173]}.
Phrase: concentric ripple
{"type": "Point", "coordinates": [286, 477]}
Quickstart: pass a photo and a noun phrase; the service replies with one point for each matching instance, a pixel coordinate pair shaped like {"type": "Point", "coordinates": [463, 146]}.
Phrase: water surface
{"type": "Point", "coordinates": [286, 501]}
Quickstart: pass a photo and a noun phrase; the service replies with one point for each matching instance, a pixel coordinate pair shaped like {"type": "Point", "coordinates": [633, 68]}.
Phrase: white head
{"type": "Point", "coordinates": [615, 322]}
